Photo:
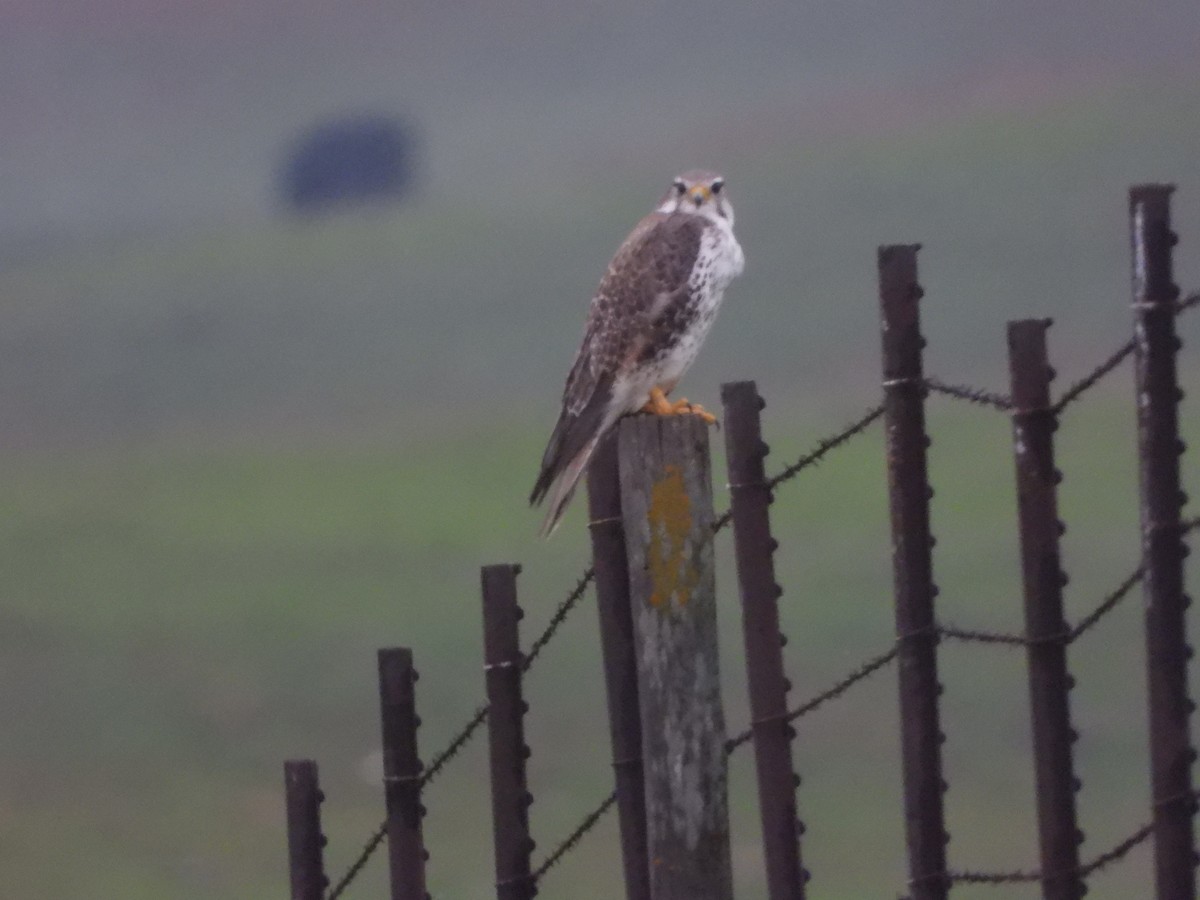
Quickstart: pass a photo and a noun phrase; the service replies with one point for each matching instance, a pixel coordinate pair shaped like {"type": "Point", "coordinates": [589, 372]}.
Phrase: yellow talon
{"type": "Point", "coordinates": [659, 405]}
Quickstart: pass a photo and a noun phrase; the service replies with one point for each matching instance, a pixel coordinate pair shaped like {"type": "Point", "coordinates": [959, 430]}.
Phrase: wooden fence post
{"type": "Point", "coordinates": [1034, 423]}
{"type": "Point", "coordinates": [620, 663]}
{"type": "Point", "coordinates": [305, 841]}
{"type": "Point", "coordinates": [402, 773]}
{"type": "Point", "coordinates": [1163, 550]}
{"type": "Point", "coordinates": [666, 502]}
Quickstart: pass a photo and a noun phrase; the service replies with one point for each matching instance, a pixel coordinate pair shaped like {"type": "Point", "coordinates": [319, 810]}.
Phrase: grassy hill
{"type": "Point", "coordinates": [237, 461]}
{"type": "Point", "coordinates": [181, 619]}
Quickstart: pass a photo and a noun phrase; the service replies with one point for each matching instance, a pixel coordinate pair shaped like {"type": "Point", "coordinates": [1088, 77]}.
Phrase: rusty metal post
{"type": "Point", "coordinates": [620, 663]}
{"type": "Point", "coordinates": [402, 773]}
{"type": "Point", "coordinates": [1163, 550]}
{"type": "Point", "coordinates": [755, 550]}
{"type": "Point", "coordinates": [1034, 423]}
{"type": "Point", "coordinates": [912, 562]}
{"type": "Point", "coordinates": [666, 504]}
{"type": "Point", "coordinates": [503, 664]}
{"type": "Point", "coordinates": [305, 841]}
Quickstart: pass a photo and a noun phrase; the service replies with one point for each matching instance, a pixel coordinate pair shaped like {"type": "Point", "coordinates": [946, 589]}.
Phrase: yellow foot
{"type": "Point", "coordinates": [659, 405]}
{"type": "Point", "coordinates": [683, 407]}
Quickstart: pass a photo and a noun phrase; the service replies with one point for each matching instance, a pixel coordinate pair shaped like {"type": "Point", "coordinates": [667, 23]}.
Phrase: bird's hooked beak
{"type": "Point", "coordinates": [700, 193]}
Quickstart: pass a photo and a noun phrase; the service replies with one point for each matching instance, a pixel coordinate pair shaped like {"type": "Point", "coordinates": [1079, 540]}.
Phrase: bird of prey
{"type": "Point", "coordinates": [647, 320]}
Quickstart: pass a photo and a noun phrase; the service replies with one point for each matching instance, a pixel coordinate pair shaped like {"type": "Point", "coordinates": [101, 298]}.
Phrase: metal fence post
{"type": "Point", "coordinates": [503, 666]}
{"type": "Point", "coordinates": [1163, 550]}
{"type": "Point", "coordinates": [620, 663]}
{"type": "Point", "coordinates": [666, 503]}
{"type": "Point", "coordinates": [402, 773]}
{"type": "Point", "coordinates": [305, 841]}
{"type": "Point", "coordinates": [1034, 423]}
{"type": "Point", "coordinates": [755, 550]}
{"type": "Point", "coordinates": [912, 561]}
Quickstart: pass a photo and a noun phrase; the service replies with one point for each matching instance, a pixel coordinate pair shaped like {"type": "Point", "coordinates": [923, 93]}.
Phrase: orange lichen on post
{"type": "Point", "coordinates": [667, 516]}
{"type": "Point", "coordinates": [670, 514]}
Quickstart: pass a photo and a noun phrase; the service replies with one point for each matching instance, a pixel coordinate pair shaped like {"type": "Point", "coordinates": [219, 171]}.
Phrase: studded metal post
{"type": "Point", "coordinates": [506, 733]}
{"type": "Point", "coordinates": [755, 551]}
{"type": "Point", "coordinates": [1163, 550]}
{"type": "Point", "coordinates": [1034, 423]}
{"type": "Point", "coordinates": [620, 664]}
{"type": "Point", "coordinates": [912, 563]}
{"type": "Point", "coordinates": [305, 841]}
{"type": "Point", "coordinates": [402, 773]}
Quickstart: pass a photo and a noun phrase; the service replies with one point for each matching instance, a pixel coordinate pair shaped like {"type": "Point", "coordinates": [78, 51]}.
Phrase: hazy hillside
{"type": "Point", "coordinates": [126, 113]}
{"type": "Point", "coordinates": [392, 320]}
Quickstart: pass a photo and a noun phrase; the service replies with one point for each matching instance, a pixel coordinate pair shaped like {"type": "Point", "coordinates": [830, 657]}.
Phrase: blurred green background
{"type": "Point", "coordinates": [243, 448]}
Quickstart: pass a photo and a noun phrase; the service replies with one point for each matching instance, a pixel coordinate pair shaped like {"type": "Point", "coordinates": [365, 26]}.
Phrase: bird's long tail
{"type": "Point", "coordinates": [563, 487]}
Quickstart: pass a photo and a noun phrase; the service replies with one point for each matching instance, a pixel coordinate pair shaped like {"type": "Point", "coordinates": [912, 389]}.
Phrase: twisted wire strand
{"type": "Point", "coordinates": [1111, 855]}
{"type": "Point", "coordinates": [1117, 357]}
{"type": "Point", "coordinates": [863, 670]}
{"type": "Point", "coordinates": [1103, 608]}
{"type": "Point", "coordinates": [825, 446]}
{"type": "Point", "coordinates": [560, 616]}
{"type": "Point", "coordinates": [1093, 378]}
{"type": "Point", "coordinates": [572, 840]}
{"type": "Point", "coordinates": [970, 394]}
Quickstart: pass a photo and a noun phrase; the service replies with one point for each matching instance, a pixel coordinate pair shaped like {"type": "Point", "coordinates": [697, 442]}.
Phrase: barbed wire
{"type": "Point", "coordinates": [1111, 855]}
{"type": "Point", "coordinates": [1004, 403]}
{"type": "Point", "coordinates": [1092, 378]}
{"type": "Point", "coordinates": [1107, 605]}
{"type": "Point", "coordinates": [970, 394]}
{"type": "Point", "coordinates": [572, 840]}
{"type": "Point", "coordinates": [865, 669]}
{"type": "Point", "coordinates": [1103, 608]}
{"type": "Point", "coordinates": [459, 741]}
{"type": "Point", "coordinates": [560, 614]}
{"type": "Point", "coordinates": [357, 866]}
{"type": "Point", "coordinates": [825, 446]}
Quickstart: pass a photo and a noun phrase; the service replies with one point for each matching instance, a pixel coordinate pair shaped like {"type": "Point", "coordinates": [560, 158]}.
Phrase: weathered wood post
{"type": "Point", "coordinates": [666, 503]}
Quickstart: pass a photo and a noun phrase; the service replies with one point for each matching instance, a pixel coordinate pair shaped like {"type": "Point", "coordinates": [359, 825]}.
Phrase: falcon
{"type": "Point", "coordinates": [647, 320]}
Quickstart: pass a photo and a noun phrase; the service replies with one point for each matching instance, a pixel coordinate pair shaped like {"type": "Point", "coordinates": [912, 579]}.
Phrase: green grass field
{"type": "Point", "coordinates": [239, 461]}
{"type": "Point", "coordinates": [181, 620]}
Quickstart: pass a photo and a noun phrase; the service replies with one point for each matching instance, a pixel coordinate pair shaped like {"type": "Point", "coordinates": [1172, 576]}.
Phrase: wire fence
{"type": "Point", "coordinates": [931, 881]}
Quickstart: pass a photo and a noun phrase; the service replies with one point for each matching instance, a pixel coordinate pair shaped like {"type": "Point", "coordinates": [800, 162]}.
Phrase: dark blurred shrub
{"type": "Point", "coordinates": [350, 160]}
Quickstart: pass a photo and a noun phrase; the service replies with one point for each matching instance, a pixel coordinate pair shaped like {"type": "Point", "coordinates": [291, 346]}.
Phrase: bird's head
{"type": "Point", "coordinates": [700, 192]}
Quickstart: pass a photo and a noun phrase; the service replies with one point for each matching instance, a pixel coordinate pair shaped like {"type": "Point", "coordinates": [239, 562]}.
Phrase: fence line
{"type": "Point", "coordinates": [937, 876]}
{"type": "Point", "coordinates": [872, 665]}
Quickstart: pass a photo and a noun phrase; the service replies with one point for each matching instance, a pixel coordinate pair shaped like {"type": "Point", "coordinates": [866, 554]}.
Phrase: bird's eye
{"type": "Point", "coordinates": [680, 187]}
{"type": "Point", "coordinates": [716, 186]}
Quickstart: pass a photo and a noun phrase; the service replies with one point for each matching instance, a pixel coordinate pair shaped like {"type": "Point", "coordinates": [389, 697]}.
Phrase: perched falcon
{"type": "Point", "coordinates": [646, 323]}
